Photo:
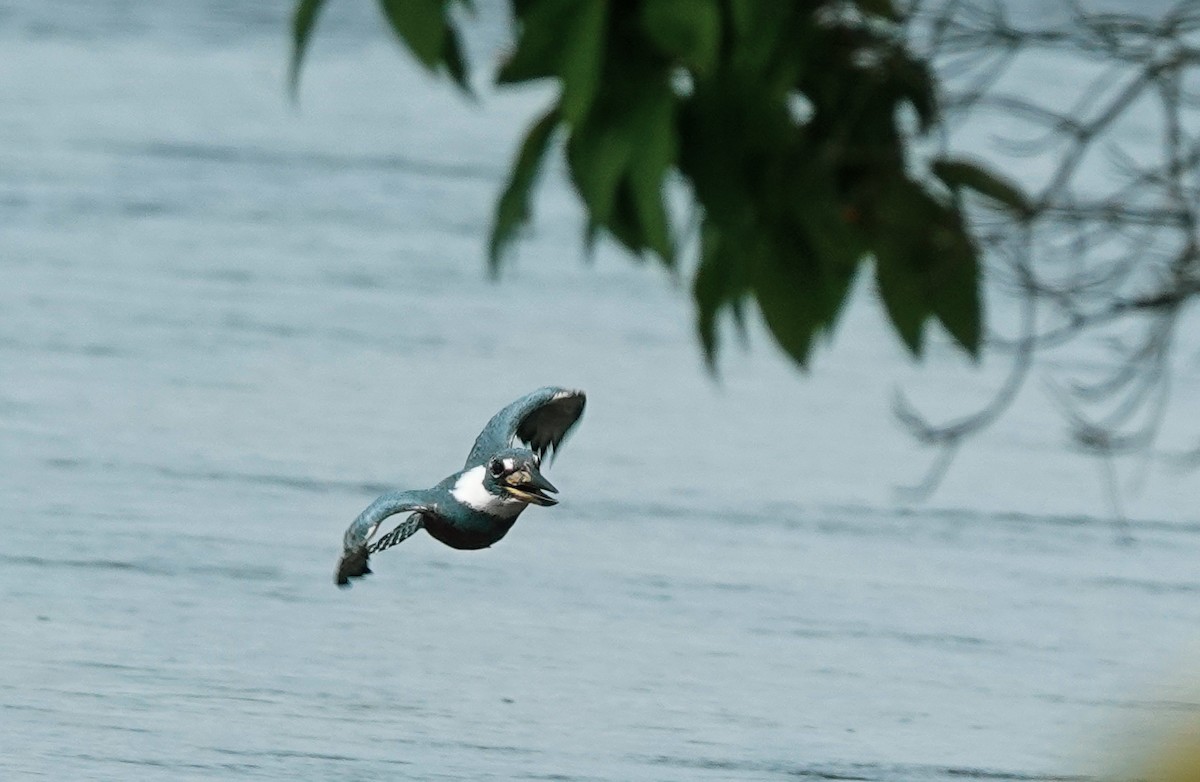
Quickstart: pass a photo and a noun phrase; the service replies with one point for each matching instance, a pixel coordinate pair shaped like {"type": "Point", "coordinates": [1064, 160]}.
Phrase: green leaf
{"type": "Point", "coordinates": [584, 58]}
{"type": "Point", "coordinates": [714, 146]}
{"type": "Point", "coordinates": [624, 222]}
{"type": "Point", "coordinates": [707, 289]}
{"type": "Point", "coordinates": [687, 29]}
{"type": "Point", "coordinates": [563, 39]}
{"type": "Point", "coordinates": [954, 280]}
{"type": "Point", "coordinates": [808, 190]}
{"type": "Point", "coordinates": [903, 257]}
{"type": "Point", "coordinates": [619, 157]}
{"type": "Point", "coordinates": [957, 173]}
{"type": "Point", "coordinates": [539, 46]}
{"type": "Point", "coordinates": [900, 289]}
{"type": "Point", "coordinates": [754, 18]}
{"type": "Point", "coordinates": [884, 8]}
{"type": "Point", "coordinates": [927, 264]}
{"type": "Point", "coordinates": [420, 24]}
{"type": "Point", "coordinates": [598, 153]}
{"type": "Point", "coordinates": [836, 257]}
{"type": "Point", "coordinates": [456, 64]}
{"type": "Point", "coordinates": [915, 82]}
{"type": "Point", "coordinates": [512, 210]}
{"type": "Point", "coordinates": [652, 216]}
{"type": "Point", "coordinates": [719, 282]}
{"type": "Point", "coordinates": [653, 157]}
{"type": "Point", "coordinates": [790, 292]}
{"type": "Point", "coordinates": [304, 19]}
{"type": "Point", "coordinates": [591, 234]}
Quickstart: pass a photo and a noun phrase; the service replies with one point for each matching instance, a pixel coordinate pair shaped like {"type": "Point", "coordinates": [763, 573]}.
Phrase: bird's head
{"type": "Point", "coordinates": [514, 473]}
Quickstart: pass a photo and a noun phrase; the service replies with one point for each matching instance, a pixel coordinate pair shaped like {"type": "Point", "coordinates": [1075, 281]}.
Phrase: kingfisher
{"type": "Point", "coordinates": [478, 505]}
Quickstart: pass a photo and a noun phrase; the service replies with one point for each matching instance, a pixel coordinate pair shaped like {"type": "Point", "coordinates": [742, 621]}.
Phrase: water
{"type": "Point", "coordinates": [228, 323]}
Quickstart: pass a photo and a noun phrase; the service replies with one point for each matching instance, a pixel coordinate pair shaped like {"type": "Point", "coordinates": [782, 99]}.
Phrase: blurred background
{"type": "Point", "coordinates": [228, 321]}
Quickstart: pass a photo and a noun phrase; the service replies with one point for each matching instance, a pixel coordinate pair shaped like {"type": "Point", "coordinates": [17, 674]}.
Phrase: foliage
{"type": "Point", "coordinates": [789, 126]}
{"type": "Point", "coordinates": [812, 137]}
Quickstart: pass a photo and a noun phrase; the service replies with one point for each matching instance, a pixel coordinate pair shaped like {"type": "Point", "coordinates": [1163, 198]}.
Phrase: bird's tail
{"type": "Point", "coordinates": [354, 562]}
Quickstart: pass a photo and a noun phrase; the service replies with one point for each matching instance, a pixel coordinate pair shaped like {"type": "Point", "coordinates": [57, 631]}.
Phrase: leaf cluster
{"type": "Point", "coordinates": [789, 125]}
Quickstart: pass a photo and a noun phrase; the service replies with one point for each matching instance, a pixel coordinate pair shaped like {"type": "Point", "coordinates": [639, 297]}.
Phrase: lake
{"type": "Point", "coordinates": [227, 322]}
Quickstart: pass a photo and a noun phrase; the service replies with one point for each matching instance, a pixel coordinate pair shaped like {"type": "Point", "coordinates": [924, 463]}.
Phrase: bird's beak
{"type": "Point", "coordinates": [529, 485]}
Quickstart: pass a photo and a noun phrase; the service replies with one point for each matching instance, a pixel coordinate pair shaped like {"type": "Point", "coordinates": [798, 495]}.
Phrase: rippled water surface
{"type": "Point", "coordinates": [226, 323]}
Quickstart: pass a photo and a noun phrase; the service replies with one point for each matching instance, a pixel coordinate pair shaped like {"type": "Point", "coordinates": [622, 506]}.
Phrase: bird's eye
{"type": "Point", "coordinates": [497, 468]}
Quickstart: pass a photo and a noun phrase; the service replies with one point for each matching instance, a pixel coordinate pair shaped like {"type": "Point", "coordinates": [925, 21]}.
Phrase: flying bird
{"type": "Point", "coordinates": [476, 506]}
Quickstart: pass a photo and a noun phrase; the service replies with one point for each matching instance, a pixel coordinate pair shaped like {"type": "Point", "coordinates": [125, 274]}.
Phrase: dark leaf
{"type": "Point", "coordinates": [915, 83]}
{"type": "Point", "coordinates": [421, 25]}
{"type": "Point", "coordinates": [647, 202]}
{"type": "Point", "coordinates": [903, 258]}
{"type": "Point", "coordinates": [901, 292]}
{"type": "Point", "coordinates": [456, 64]}
{"type": "Point", "coordinates": [957, 173]}
{"type": "Point", "coordinates": [810, 191]}
{"type": "Point", "coordinates": [512, 210]}
{"type": "Point", "coordinates": [584, 56]}
{"type": "Point", "coordinates": [624, 222]}
{"type": "Point", "coordinates": [705, 291]}
{"type": "Point", "coordinates": [563, 39]}
{"type": "Point", "coordinates": [754, 18]}
{"type": "Point", "coordinates": [737, 308]}
{"type": "Point", "coordinates": [591, 234]}
{"type": "Point", "coordinates": [653, 157]}
{"type": "Point", "coordinates": [717, 284]}
{"type": "Point", "coordinates": [713, 147]}
{"type": "Point", "coordinates": [838, 293]}
{"type": "Point", "coordinates": [791, 295]}
{"type": "Point", "coordinates": [884, 8]}
{"type": "Point", "coordinates": [926, 264]}
{"type": "Point", "coordinates": [598, 153]}
{"type": "Point", "coordinates": [837, 253]}
{"type": "Point", "coordinates": [687, 29]}
{"type": "Point", "coordinates": [303, 21]}
{"type": "Point", "coordinates": [954, 281]}
{"type": "Point", "coordinates": [762, 37]}
{"type": "Point", "coordinates": [539, 46]}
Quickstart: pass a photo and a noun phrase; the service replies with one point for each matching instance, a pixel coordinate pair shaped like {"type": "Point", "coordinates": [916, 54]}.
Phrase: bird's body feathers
{"type": "Point", "coordinates": [478, 505]}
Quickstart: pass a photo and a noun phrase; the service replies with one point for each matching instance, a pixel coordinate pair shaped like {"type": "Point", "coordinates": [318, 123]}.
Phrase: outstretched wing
{"type": "Point", "coordinates": [356, 543]}
{"type": "Point", "coordinates": [540, 420]}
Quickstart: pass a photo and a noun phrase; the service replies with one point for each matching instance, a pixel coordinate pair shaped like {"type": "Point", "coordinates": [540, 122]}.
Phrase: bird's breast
{"type": "Point", "coordinates": [477, 532]}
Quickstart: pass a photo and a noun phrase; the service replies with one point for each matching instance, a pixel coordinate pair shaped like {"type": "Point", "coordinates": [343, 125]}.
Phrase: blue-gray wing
{"type": "Point", "coordinates": [540, 419]}
{"type": "Point", "coordinates": [356, 543]}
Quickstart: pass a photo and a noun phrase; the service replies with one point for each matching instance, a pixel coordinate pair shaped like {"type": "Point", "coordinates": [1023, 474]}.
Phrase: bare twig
{"type": "Point", "coordinates": [1112, 247]}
